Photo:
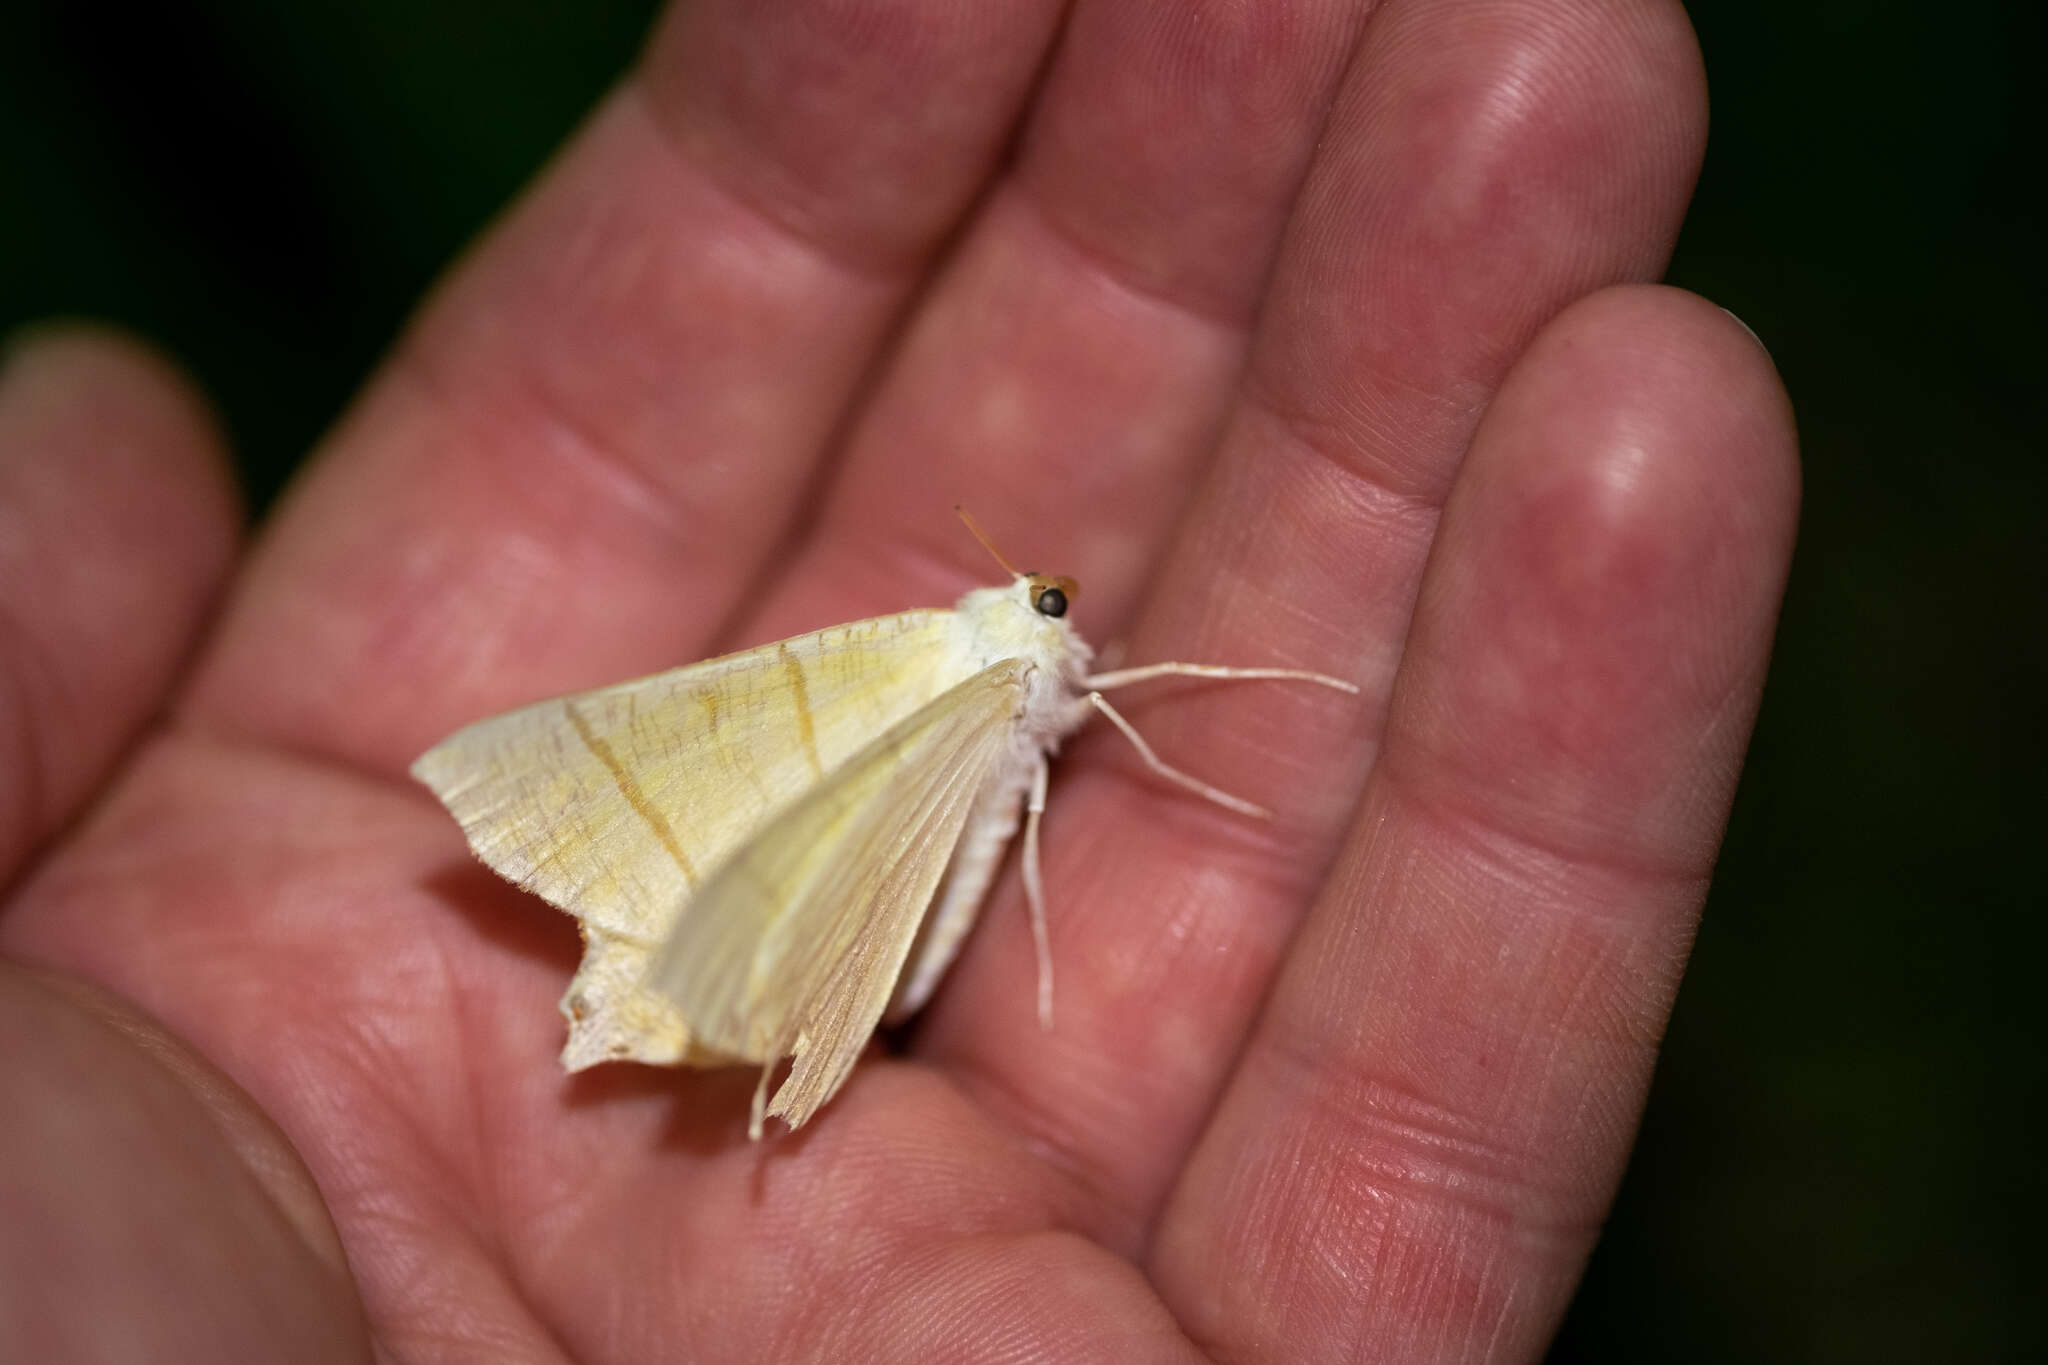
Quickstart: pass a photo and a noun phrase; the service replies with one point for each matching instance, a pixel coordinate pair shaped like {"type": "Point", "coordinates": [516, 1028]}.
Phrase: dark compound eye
{"type": "Point", "coordinates": [1051, 602]}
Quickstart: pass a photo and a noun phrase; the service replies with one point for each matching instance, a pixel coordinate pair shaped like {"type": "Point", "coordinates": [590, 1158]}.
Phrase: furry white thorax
{"type": "Point", "coordinates": [993, 624]}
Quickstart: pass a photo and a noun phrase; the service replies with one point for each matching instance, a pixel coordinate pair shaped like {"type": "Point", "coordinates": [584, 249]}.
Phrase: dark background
{"type": "Point", "coordinates": [1835, 1165]}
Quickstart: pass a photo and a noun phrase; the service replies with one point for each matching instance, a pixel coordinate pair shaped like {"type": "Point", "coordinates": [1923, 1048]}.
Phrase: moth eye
{"type": "Point", "coordinates": [1051, 602]}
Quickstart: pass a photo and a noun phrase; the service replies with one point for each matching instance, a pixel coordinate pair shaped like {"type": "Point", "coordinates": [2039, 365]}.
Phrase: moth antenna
{"type": "Point", "coordinates": [982, 536]}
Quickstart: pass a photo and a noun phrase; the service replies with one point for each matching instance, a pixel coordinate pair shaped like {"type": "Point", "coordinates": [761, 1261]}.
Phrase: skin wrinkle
{"type": "Point", "coordinates": [806, 239]}
{"type": "Point", "coordinates": [1601, 965]}
{"type": "Point", "coordinates": [809, 240]}
{"type": "Point", "coordinates": [783, 213]}
{"type": "Point", "coordinates": [633, 486]}
{"type": "Point", "coordinates": [1430, 1149]}
{"type": "Point", "coordinates": [1431, 1143]}
{"type": "Point", "coordinates": [884, 1237]}
{"type": "Point", "coordinates": [563, 403]}
{"type": "Point", "coordinates": [1060, 1138]}
{"type": "Point", "coordinates": [1569, 1235]}
{"type": "Point", "coordinates": [1244, 69]}
{"type": "Point", "coordinates": [1491, 833]}
{"type": "Point", "coordinates": [494, 1229]}
{"type": "Point", "coordinates": [256, 1144]}
{"type": "Point", "coordinates": [1521, 97]}
{"type": "Point", "coordinates": [403, 1292]}
{"type": "Point", "coordinates": [1363, 487]}
{"type": "Point", "coordinates": [346, 1180]}
{"type": "Point", "coordinates": [1587, 1029]}
{"type": "Point", "coordinates": [853, 552]}
{"type": "Point", "coordinates": [26, 793]}
{"type": "Point", "coordinates": [1359, 426]}
{"type": "Point", "coordinates": [431, 557]}
{"type": "Point", "coordinates": [1426, 1213]}
{"type": "Point", "coordinates": [208, 1183]}
{"type": "Point", "coordinates": [1354, 428]}
{"type": "Point", "coordinates": [1126, 278]}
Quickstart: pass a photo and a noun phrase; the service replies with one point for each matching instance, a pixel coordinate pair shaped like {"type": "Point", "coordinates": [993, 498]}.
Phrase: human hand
{"type": "Point", "coordinates": [1292, 337]}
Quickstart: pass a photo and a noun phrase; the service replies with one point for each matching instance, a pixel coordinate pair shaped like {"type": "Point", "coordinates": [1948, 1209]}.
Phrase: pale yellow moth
{"type": "Point", "coordinates": [769, 853]}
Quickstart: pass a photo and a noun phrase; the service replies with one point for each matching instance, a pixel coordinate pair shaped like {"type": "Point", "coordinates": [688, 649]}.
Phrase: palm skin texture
{"type": "Point", "coordinates": [1307, 334]}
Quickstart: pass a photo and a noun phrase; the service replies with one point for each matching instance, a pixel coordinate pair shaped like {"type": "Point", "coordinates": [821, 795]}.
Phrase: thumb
{"type": "Point", "coordinates": [117, 524]}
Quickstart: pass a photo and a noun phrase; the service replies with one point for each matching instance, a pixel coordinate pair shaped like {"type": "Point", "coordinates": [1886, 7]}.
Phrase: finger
{"type": "Point", "coordinates": [1482, 167]}
{"type": "Point", "coordinates": [579, 458]}
{"type": "Point", "coordinates": [1415, 1153]}
{"type": "Point", "coordinates": [117, 519]}
{"type": "Point", "coordinates": [148, 1201]}
{"type": "Point", "coordinates": [1068, 370]}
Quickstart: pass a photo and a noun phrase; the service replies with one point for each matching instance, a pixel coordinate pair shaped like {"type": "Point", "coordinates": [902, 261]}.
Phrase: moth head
{"type": "Point", "coordinates": [1049, 596]}
{"type": "Point", "coordinates": [1046, 594]}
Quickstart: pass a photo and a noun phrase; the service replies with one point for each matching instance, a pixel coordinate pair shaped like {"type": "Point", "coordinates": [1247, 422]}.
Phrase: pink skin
{"type": "Point", "coordinates": [1298, 334]}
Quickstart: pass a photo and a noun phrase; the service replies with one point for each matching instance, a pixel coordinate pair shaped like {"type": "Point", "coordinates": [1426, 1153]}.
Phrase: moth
{"type": "Point", "coordinates": [772, 852]}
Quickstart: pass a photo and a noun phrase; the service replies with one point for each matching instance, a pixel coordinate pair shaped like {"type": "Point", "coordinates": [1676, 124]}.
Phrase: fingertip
{"type": "Point", "coordinates": [1600, 607]}
{"type": "Point", "coordinates": [115, 451]}
{"type": "Point", "coordinates": [64, 355]}
{"type": "Point", "coordinates": [1669, 406]}
{"type": "Point", "coordinates": [100, 394]}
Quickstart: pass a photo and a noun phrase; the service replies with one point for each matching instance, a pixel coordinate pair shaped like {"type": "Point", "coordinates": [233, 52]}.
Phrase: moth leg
{"type": "Point", "coordinates": [758, 1116]}
{"type": "Point", "coordinates": [1172, 774]}
{"type": "Point", "coordinates": [1124, 676]}
{"type": "Point", "coordinates": [1034, 892]}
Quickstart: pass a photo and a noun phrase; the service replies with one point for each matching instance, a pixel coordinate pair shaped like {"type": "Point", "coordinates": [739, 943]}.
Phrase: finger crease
{"type": "Point", "coordinates": [1527, 862]}
{"type": "Point", "coordinates": [1349, 440]}
{"type": "Point", "coordinates": [29, 671]}
{"type": "Point", "coordinates": [883, 268]}
{"type": "Point", "coordinates": [1122, 274]}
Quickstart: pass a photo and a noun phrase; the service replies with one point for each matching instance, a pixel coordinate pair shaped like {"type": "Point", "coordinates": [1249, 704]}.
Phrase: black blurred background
{"type": "Point", "coordinates": [1835, 1163]}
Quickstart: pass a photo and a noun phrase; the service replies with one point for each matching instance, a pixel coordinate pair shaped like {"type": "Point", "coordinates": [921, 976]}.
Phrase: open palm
{"type": "Point", "coordinates": [1302, 334]}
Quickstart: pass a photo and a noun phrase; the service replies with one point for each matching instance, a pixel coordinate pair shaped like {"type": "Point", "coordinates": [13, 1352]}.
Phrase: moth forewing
{"type": "Point", "coordinates": [991, 824]}
{"type": "Point", "coordinates": [794, 946]}
{"type": "Point", "coordinates": [616, 804]}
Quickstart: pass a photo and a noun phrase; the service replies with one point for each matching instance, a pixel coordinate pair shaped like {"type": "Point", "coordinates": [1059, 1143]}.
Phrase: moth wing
{"type": "Point", "coordinates": [615, 804]}
{"type": "Point", "coordinates": [793, 948]}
